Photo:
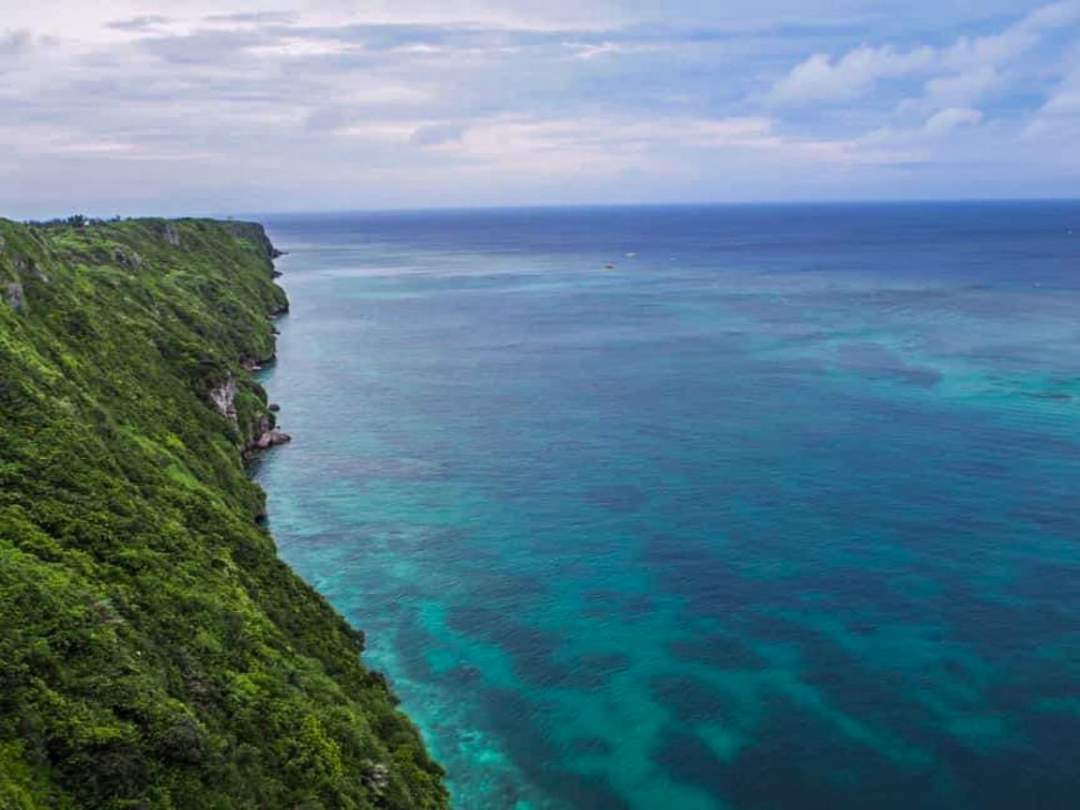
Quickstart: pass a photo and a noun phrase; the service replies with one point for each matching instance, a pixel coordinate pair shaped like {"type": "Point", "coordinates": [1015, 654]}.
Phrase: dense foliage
{"type": "Point", "coordinates": [154, 651]}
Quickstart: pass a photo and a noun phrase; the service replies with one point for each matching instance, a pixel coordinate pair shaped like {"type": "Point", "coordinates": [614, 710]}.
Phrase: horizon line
{"type": "Point", "coordinates": [409, 209]}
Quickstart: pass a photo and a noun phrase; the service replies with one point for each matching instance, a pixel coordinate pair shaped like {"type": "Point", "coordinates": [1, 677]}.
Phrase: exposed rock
{"type": "Point", "coordinates": [14, 296]}
{"type": "Point", "coordinates": [376, 777]}
{"type": "Point", "coordinates": [266, 440]}
{"type": "Point", "coordinates": [224, 397]}
{"type": "Point", "coordinates": [256, 364]}
{"type": "Point", "coordinates": [26, 266]}
{"type": "Point", "coordinates": [127, 258]}
{"type": "Point", "coordinates": [272, 438]}
{"type": "Point", "coordinates": [274, 407]}
{"type": "Point", "coordinates": [170, 234]}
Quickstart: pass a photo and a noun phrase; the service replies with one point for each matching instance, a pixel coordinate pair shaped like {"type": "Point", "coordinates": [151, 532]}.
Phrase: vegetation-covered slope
{"type": "Point", "coordinates": [154, 651]}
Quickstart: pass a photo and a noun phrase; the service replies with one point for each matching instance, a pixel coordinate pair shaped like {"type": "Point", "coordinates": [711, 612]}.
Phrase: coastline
{"type": "Point", "coordinates": [158, 651]}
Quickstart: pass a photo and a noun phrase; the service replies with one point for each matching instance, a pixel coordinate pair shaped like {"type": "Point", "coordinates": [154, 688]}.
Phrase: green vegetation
{"type": "Point", "coordinates": [154, 651]}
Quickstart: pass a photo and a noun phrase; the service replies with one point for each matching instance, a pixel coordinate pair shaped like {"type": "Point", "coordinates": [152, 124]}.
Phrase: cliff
{"type": "Point", "coordinates": [154, 651]}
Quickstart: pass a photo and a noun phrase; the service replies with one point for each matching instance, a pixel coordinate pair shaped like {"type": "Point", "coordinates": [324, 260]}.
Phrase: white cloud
{"type": "Point", "coordinates": [1063, 103]}
{"type": "Point", "coordinates": [945, 121]}
{"type": "Point", "coordinates": [974, 67]}
{"type": "Point", "coordinates": [820, 78]}
{"type": "Point", "coordinates": [960, 88]}
{"type": "Point", "coordinates": [1058, 119]}
{"type": "Point", "coordinates": [961, 72]}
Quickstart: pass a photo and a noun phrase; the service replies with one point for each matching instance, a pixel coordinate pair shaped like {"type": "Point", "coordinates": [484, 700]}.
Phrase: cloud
{"type": "Point", "coordinates": [1057, 121]}
{"type": "Point", "coordinates": [821, 78]}
{"type": "Point", "coordinates": [959, 73]}
{"type": "Point", "coordinates": [961, 88]}
{"type": "Point", "coordinates": [945, 121]}
{"type": "Point", "coordinates": [13, 43]}
{"type": "Point", "coordinates": [437, 135]}
{"type": "Point", "coordinates": [329, 119]}
{"type": "Point", "coordinates": [252, 17]}
{"type": "Point", "coordinates": [571, 145]}
{"type": "Point", "coordinates": [141, 23]}
{"type": "Point", "coordinates": [488, 101]}
{"type": "Point", "coordinates": [1066, 102]}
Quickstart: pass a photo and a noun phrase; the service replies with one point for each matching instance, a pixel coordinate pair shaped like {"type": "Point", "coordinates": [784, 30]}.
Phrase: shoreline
{"type": "Point", "coordinates": [165, 652]}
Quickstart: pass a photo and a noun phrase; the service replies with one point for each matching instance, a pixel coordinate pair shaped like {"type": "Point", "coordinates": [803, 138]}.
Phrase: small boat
{"type": "Point", "coordinates": [609, 266]}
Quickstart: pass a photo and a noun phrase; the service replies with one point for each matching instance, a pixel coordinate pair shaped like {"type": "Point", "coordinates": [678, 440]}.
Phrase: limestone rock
{"type": "Point", "coordinates": [272, 438]}
{"type": "Point", "coordinates": [224, 397]}
{"type": "Point", "coordinates": [27, 267]}
{"type": "Point", "coordinates": [376, 777]}
{"type": "Point", "coordinates": [127, 258]}
{"type": "Point", "coordinates": [14, 296]}
{"type": "Point", "coordinates": [170, 234]}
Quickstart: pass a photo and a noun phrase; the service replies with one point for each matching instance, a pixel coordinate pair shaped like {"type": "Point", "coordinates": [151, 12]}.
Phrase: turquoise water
{"type": "Point", "coordinates": [780, 512]}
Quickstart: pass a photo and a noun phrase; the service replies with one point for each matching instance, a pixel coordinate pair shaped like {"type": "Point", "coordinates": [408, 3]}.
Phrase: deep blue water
{"type": "Point", "coordinates": [780, 512]}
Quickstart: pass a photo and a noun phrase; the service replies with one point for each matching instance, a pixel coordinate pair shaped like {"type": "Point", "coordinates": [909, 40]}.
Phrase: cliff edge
{"type": "Point", "coordinates": [154, 651]}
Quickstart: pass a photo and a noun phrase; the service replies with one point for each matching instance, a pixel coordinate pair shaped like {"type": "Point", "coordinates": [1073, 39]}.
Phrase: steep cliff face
{"type": "Point", "coordinates": [154, 651]}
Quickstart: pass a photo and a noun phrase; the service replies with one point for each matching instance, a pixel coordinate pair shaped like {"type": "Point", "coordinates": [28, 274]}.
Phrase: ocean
{"type": "Point", "coordinates": [749, 507]}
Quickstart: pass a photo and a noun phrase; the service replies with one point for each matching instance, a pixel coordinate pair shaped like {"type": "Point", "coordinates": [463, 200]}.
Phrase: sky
{"type": "Point", "coordinates": [130, 106]}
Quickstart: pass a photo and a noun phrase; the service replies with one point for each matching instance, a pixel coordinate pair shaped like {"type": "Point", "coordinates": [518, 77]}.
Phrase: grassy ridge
{"type": "Point", "coordinates": [154, 651]}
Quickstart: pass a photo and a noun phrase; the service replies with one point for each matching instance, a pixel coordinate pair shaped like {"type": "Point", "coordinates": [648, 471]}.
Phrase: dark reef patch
{"type": "Point", "coordinates": [520, 724]}
{"type": "Point", "coordinates": [694, 700]}
{"type": "Point", "coordinates": [530, 648]}
{"type": "Point", "coordinates": [718, 651]}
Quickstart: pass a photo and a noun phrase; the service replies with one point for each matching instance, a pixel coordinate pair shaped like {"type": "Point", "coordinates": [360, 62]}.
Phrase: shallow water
{"type": "Point", "coordinates": [780, 512]}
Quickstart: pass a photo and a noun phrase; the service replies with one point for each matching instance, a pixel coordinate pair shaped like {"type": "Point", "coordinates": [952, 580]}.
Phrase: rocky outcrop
{"type": "Point", "coordinates": [265, 435]}
{"type": "Point", "coordinates": [29, 269]}
{"type": "Point", "coordinates": [223, 397]}
{"type": "Point", "coordinates": [127, 258]}
{"type": "Point", "coordinates": [14, 296]}
{"type": "Point", "coordinates": [376, 777]}
{"type": "Point", "coordinates": [251, 364]}
{"type": "Point", "coordinates": [170, 234]}
{"type": "Point", "coordinates": [272, 438]}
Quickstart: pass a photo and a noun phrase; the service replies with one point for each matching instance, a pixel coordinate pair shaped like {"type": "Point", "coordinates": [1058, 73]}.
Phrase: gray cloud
{"type": "Point", "coordinates": [15, 42]}
{"type": "Point", "coordinates": [327, 119]}
{"type": "Point", "coordinates": [437, 135]}
{"type": "Point", "coordinates": [209, 46]}
{"type": "Point", "coordinates": [252, 17]}
{"type": "Point", "coordinates": [138, 23]}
